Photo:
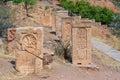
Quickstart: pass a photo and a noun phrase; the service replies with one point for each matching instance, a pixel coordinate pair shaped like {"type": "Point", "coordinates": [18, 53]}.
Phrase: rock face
{"type": "Point", "coordinates": [29, 50]}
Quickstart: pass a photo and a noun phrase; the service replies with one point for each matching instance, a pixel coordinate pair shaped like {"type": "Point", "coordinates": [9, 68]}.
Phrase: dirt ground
{"type": "Point", "coordinates": [62, 71]}
{"type": "Point", "coordinates": [109, 69]}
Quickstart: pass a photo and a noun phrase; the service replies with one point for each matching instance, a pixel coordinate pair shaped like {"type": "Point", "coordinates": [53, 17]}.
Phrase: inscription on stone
{"type": "Point", "coordinates": [82, 43]}
{"type": "Point", "coordinates": [81, 48]}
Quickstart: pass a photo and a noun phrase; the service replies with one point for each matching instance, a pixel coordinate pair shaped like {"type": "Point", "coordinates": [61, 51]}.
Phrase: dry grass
{"type": "Point", "coordinates": [115, 43]}
{"type": "Point", "coordinates": [12, 76]}
{"type": "Point", "coordinates": [101, 58]}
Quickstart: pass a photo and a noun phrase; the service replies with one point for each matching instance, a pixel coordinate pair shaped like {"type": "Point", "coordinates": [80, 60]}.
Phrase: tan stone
{"type": "Point", "coordinates": [53, 21]}
{"type": "Point", "coordinates": [11, 39]}
{"type": "Point", "coordinates": [29, 50]}
{"type": "Point", "coordinates": [59, 15]}
{"type": "Point", "coordinates": [66, 29]}
{"type": "Point", "coordinates": [54, 2]}
{"type": "Point", "coordinates": [81, 43]}
{"type": "Point", "coordinates": [47, 18]}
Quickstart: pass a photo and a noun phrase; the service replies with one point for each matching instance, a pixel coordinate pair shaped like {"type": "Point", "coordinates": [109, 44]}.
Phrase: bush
{"type": "Point", "coordinates": [64, 50]}
{"type": "Point", "coordinates": [85, 10]}
{"type": "Point", "coordinates": [115, 25]}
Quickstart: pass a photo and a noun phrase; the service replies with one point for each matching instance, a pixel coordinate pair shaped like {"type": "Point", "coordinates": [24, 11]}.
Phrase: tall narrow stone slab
{"type": "Point", "coordinates": [29, 49]}
{"type": "Point", "coordinates": [47, 18]}
{"type": "Point", "coordinates": [58, 17]}
{"type": "Point", "coordinates": [66, 29]}
{"type": "Point", "coordinates": [81, 43]}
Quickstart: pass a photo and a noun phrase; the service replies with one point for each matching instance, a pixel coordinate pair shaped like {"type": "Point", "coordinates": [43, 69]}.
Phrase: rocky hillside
{"type": "Point", "coordinates": [104, 3]}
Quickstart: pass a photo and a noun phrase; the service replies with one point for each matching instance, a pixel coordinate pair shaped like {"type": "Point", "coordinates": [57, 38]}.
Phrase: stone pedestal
{"type": "Point", "coordinates": [29, 49]}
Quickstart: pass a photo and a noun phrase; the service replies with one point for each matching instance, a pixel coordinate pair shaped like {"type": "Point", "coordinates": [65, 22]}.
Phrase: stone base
{"type": "Point", "coordinates": [89, 66]}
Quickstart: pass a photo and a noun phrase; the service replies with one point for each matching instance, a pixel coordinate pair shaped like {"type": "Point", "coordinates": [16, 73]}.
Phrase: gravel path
{"type": "Point", "coordinates": [111, 52]}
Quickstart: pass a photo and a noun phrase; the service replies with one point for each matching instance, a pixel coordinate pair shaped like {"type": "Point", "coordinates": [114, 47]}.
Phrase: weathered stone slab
{"type": "Point", "coordinates": [47, 18]}
{"type": "Point", "coordinates": [66, 29]}
{"type": "Point", "coordinates": [81, 43]}
{"type": "Point", "coordinates": [29, 49]}
{"type": "Point", "coordinates": [58, 17]}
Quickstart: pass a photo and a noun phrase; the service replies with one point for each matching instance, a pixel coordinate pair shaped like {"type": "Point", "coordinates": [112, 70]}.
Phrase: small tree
{"type": "Point", "coordinates": [26, 3]}
{"type": "Point", "coordinates": [115, 25]}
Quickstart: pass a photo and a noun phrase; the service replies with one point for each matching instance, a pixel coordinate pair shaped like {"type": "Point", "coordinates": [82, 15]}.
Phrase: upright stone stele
{"type": "Point", "coordinates": [58, 21]}
{"type": "Point", "coordinates": [29, 50]}
{"type": "Point", "coordinates": [81, 43]}
{"type": "Point", "coordinates": [66, 29]}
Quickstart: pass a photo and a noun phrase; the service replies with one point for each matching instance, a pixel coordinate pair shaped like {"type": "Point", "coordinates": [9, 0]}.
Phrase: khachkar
{"type": "Point", "coordinates": [66, 29]}
{"type": "Point", "coordinates": [81, 42]}
{"type": "Point", "coordinates": [29, 50]}
{"type": "Point", "coordinates": [58, 21]}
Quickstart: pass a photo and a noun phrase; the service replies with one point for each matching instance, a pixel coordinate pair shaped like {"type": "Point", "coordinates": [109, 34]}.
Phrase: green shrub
{"type": "Point", "coordinates": [115, 25]}
{"type": "Point", "coordinates": [17, 1]}
{"type": "Point", "coordinates": [85, 10]}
